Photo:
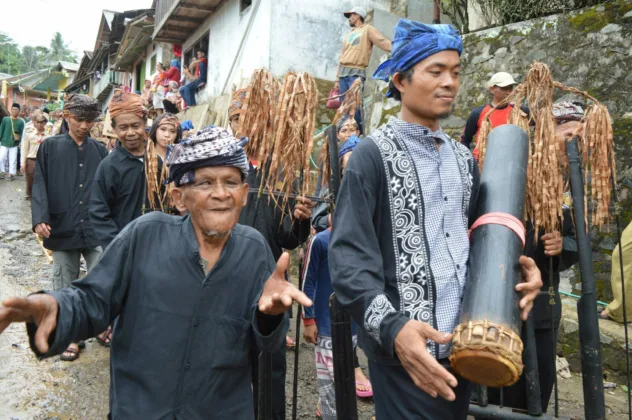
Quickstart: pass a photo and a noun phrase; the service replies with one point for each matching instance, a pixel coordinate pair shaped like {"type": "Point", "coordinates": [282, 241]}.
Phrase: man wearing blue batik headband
{"type": "Point", "coordinates": [399, 249]}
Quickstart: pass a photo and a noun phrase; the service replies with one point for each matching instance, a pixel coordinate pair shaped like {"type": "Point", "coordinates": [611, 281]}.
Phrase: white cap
{"type": "Point", "coordinates": [501, 79]}
{"type": "Point", "coordinates": [358, 11]}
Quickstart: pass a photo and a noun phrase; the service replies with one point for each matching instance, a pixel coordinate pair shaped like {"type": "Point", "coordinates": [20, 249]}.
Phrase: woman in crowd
{"type": "Point", "coordinates": [158, 88]}
{"type": "Point", "coordinates": [164, 132]}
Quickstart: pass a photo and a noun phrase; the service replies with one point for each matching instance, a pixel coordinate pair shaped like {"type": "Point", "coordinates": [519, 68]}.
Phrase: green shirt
{"type": "Point", "coordinates": [6, 133]}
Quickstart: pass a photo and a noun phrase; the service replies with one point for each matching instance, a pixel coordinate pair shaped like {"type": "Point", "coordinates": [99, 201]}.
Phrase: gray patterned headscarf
{"type": "Point", "coordinates": [212, 146]}
{"type": "Point", "coordinates": [568, 111]}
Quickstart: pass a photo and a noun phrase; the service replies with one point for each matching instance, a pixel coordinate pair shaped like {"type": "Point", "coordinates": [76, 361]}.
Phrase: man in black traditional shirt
{"type": "Point", "coordinates": [119, 190]}
{"type": "Point", "coordinates": [286, 229]}
{"type": "Point", "coordinates": [64, 171]}
{"type": "Point", "coordinates": [192, 295]}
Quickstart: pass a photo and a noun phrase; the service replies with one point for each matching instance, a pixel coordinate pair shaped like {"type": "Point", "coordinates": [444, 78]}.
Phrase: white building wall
{"type": "Point", "coordinates": [227, 27]}
{"type": "Point", "coordinates": [307, 35]}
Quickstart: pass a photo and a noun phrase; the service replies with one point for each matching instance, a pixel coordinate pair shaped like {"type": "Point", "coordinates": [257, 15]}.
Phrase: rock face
{"type": "Point", "coordinates": [590, 49]}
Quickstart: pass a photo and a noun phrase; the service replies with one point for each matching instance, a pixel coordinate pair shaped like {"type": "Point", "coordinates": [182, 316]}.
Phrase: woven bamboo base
{"type": "Point", "coordinates": [487, 354]}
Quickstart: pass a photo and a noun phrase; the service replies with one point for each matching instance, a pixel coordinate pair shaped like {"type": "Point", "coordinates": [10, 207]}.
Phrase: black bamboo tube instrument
{"type": "Point", "coordinates": [487, 348]}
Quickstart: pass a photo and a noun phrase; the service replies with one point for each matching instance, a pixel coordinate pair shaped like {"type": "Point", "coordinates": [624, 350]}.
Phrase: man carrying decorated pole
{"type": "Point", "coordinates": [282, 229]}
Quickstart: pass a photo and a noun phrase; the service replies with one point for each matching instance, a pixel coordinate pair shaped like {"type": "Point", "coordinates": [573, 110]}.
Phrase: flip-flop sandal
{"type": "Point", "coordinates": [364, 394]}
{"type": "Point", "coordinates": [74, 352]}
{"type": "Point", "coordinates": [108, 335]}
{"type": "Point", "coordinates": [290, 343]}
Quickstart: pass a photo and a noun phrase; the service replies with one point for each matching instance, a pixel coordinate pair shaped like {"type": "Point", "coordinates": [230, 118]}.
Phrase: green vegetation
{"type": "Point", "coordinates": [15, 60]}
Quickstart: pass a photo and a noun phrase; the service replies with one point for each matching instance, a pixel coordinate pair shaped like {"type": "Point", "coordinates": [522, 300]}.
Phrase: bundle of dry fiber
{"type": "Point", "coordinates": [155, 180]}
{"type": "Point", "coordinates": [258, 114]}
{"type": "Point", "coordinates": [293, 136]}
{"type": "Point", "coordinates": [352, 101]}
{"type": "Point", "coordinates": [279, 120]}
{"type": "Point", "coordinates": [545, 174]}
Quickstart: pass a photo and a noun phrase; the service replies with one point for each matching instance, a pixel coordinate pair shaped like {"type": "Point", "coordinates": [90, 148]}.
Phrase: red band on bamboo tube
{"type": "Point", "coordinates": [503, 219]}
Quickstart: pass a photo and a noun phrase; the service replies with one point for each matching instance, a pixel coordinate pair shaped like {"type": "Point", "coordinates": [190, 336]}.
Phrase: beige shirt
{"type": "Point", "coordinates": [30, 145]}
{"type": "Point", "coordinates": [358, 46]}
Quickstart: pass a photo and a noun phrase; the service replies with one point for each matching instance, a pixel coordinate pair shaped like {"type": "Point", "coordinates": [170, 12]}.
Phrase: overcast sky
{"type": "Point", "coordinates": [33, 22]}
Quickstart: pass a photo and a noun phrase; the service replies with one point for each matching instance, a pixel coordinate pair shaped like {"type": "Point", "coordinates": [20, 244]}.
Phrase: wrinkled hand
{"type": "Point", "coordinates": [39, 309]}
{"type": "Point", "coordinates": [303, 208]}
{"type": "Point", "coordinates": [310, 333]}
{"type": "Point", "coordinates": [424, 370]}
{"type": "Point", "coordinates": [43, 229]}
{"type": "Point", "coordinates": [552, 244]}
{"type": "Point", "coordinates": [278, 293]}
{"type": "Point", "coordinates": [530, 288]}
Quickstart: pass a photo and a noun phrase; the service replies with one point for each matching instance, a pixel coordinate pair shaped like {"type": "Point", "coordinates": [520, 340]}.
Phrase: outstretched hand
{"type": "Point", "coordinates": [530, 287]}
{"type": "Point", "coordinates": [39, 309]}
{"type": "Point", "coordinates": [278, 293]}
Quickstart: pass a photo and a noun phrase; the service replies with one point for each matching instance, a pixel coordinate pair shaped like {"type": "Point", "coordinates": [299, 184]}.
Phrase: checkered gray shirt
{"type": "Point", "coordinates": [446, 233]}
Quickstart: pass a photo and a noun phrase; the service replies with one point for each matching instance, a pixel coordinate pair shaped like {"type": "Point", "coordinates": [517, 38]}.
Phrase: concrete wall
{"type": "Point", "coordinates": [307, 35]}
{"type": "Point", "coordinates": [227, 27]}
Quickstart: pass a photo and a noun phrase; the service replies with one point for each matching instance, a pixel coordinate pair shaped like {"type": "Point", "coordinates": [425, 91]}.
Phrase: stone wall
{"type": "Point", "coordinates": [590, 49]}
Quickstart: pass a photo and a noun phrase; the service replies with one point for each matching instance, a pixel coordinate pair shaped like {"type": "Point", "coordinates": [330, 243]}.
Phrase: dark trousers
{"type": "Point", "coordinates": [397, 397]}
{"type": "Point", "coordinates": [345, 85]}
{"type": "Point", "coordinates": [188, 92]}
{"type": "Point", "coordinates": [30, 176]}
{"type": "Point", "coordinates": [515, 396]}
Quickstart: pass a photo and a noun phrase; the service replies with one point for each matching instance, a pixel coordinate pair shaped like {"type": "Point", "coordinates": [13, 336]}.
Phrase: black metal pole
{"type": "Point", "coordinates": [265, 370]}
{"type": "Point", "coordinates": [592, 373]}
{"type": "Point", "coordinates": [556, 400]}
{"type": "Point", "coordinates": [496, 412]}
{"type": "Point", "coordinates": [482, 398]}
{"type": "Point", "coordinates": [344, 376]}
{"type": "Point", "coordinates": [297, 341]}
{"type": "Point", "coordinates": [625, 315]}
{"type": "Point", "coordinates": [298, 323]}
{"type": "Point", "coordinates": [531, 375]}
{"type": "Point", "coordinates": [265, 386]}
{"type": "Point", "coordinates": [334, 163]}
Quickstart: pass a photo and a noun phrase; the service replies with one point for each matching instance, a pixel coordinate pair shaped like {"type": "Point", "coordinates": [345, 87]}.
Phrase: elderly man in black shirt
{"type": "Point", "coordinates": [64, 171]}
{"type": "Point", "coordinates": [193, 294]}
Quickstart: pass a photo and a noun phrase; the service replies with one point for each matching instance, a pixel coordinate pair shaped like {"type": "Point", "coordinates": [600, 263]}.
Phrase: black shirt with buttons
{"type": "Point", "coordinates": [64, 172]}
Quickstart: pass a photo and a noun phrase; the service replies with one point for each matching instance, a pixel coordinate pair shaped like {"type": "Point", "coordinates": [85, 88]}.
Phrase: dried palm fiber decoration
{"type": "Point", "coordinates": [352, 101]}
{"type": "Point", "coordinates": [545, 174]}
{"type": "Point", "coordinates": [279, 120]}
{"type": "Point", "coordinates": [258, 114]}
{"type": "Point", "coordinates": [295, 119]}
{"type": "Point", "coordinates": [155, 181]}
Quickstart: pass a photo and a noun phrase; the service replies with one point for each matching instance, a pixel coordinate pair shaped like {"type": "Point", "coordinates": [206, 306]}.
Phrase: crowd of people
{"type": "Point", "coordinates": [187, 266]}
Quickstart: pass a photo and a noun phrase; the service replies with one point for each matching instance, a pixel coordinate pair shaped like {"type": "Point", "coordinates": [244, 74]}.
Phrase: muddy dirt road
{"type": "Point", "coordinates": [52, 389]}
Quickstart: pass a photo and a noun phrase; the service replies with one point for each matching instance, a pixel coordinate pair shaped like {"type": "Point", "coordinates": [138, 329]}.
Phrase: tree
{"type": "Point", "coordinates": [34, 58]}
{"type": "Point", "coordinates": [59, 50]}
{"type": "Point", "coordinates": [10, 56]}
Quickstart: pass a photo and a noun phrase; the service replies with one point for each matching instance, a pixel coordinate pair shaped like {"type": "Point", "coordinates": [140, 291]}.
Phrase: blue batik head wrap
{"type": "Point", "coordinates": [349, 145]}
{"type": "Point", "coordinates": [414, 42]}
{"type": "Point", "coordinates": [187, 125]}
{"type": "Point", "coordinates": [175, 63]}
